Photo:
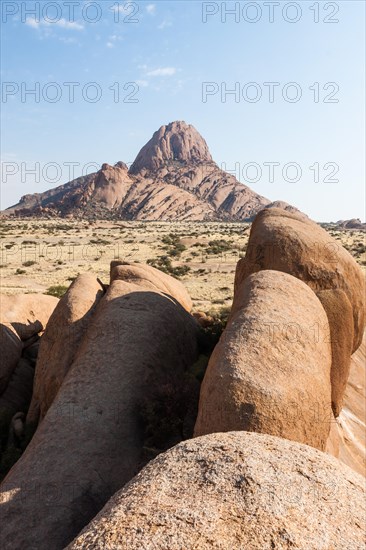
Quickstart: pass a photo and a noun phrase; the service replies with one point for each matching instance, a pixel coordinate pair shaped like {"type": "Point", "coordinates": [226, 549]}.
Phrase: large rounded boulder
{"type": "Point", "coordinates": [289, 242]}
{"type": "Point", "coordinates": [24, 310]}
{"type": "Point", "coordinates": [233, 491]}
{"type": "Point", "coordinates": [60, 342]}
{"type": "Point", "coordinates": [22, 317]}
{"type": "Point", "coordinates": [149, 277]}
{"type": "Point", "coordinates": [91, 441]}
{"type": "Point", "coordinates": [270, 371]}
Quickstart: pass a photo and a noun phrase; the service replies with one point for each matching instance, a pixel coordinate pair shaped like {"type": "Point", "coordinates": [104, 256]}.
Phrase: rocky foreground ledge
{"type": "Point", "coordinates": [234, 490]}
{"type": "Point", "coordinates": [242, 459]}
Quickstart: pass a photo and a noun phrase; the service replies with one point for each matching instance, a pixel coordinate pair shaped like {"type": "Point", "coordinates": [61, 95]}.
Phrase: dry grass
{"type": "Point", "coordinates": [39, 254]}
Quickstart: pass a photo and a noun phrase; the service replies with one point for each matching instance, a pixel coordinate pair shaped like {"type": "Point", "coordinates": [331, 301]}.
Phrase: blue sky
{"type": "Point", "coordinates": [159, 63]}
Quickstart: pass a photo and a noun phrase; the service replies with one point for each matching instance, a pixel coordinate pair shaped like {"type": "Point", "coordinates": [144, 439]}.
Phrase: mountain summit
{"type": "Point", "coordinates": [177, 141]}
{"type": "Point", "coordinates": [173, 178]}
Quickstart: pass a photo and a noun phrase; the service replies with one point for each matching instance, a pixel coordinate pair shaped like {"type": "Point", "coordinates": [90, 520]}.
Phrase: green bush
{"type": "Point", "coordinates": [58, 291]}
{"type": "Point", "coordinates": [218, 247]}
{"type": "Point", "coordinates": [164, 264]}
{"type": "Point", "coordinates": [174, 246]}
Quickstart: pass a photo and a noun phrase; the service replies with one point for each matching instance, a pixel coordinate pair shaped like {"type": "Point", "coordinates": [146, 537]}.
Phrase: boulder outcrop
{"type": "Point", "coordinates": [339, 312]}
{"type": "Point", "coordinates": [288, 242]}
{"type": "Point", "coordinates": [348, 433]}
{"type": "Point", "coordinates": [90, 442]}
{"type": "Point", "coordinates": [22, 317]}
{"type": "Point", "coordinates": [233, 491]}
{"type": "Point", "coordinates": [61, 341]}
{"type": "Point", "coordinates": [148, 277]}
{"type": "Point", "coordinates": [270, 371]}
{"type": "Point", "coordinates": [22, 311]}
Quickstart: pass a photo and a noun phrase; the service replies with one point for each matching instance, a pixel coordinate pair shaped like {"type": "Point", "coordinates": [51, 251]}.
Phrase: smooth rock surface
{"type": "Point", "coordinates": [339, 313]}
{"type": "Point", "coordinates": [61, 341]}
{"type": "Point", "coordinates": [289, 242]}
{"type": "Point", "coordinates": [270, 371]}
{"type": "Point", "coordinates": [149, 277]}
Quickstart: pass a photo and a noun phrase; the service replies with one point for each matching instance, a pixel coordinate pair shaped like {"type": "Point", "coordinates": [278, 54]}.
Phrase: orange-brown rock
{"type": "Point", "coordinates": [90, 442]}
{"type": "Point", "coordinates": [22, 310]}
{"type": "Point", "coordinates": [288, 242]}
{"type": "Point", "coordinates": [339, 312]}
{"type": "Point", "coordinates": [234, 491]}
{"type": "Point", "coordinates": [348, 435]}
{"type": "Point", "coordinates": [61, 341]}
{"type": "Point", "coordinates": [21, 317]}
{"type": "Point", "coordinates": [178, 141]}
{"type": "Point", "coordinates": [204, 320]}
{"type": "Point", "coordinates": [173, 178]}
{"type": "Point", "coordinates": [270, 371]}
{"type": "Point", "coordinates": [148, 277]}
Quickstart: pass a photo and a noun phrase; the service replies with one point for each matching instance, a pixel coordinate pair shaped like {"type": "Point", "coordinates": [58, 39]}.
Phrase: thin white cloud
{"type": "Point", "coordinates": [164, 24]}
{"type": "Point", "coordinates": [113, 39]}
{"type": "Point", "coordinates": [72, 25]}
{"type": "Point", "coordinates": [142, 83]}
{"type": "Point", "coordinates": [151, 9]}
{"type": "Point", "coordinates": [31, 21]}
{"type": "Point", "coordinates": [62, 23]}
{"type": "Point", "coordinates": [163, 71]}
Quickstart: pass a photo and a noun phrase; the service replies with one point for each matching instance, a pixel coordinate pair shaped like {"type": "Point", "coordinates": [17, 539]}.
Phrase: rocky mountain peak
{"type": "Point", "coordinates": [178, 141]}
{"type": "Point", "coordinates": [172, 178]}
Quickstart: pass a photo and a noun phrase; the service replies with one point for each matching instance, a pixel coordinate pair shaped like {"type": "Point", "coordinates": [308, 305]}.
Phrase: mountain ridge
{"type": "Point", "coordinates": [172, 178]}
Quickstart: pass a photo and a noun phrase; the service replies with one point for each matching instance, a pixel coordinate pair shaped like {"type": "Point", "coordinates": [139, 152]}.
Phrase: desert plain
{"type": "Point", "coordinates": [45, 256]}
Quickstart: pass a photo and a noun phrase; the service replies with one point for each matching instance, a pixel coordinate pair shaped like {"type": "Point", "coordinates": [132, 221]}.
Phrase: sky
{"type": "Point", "coordinates": [275, 88]}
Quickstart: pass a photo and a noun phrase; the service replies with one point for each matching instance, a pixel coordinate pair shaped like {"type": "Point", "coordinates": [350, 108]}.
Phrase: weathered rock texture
{"type": "Point", "coordinates": [270, 371]}
{"type": "Point", "coordinates": [173, 178]}
{"type": "Point", "coordinates": [289, 242]}
{"type": "Point", "coordinates": [234, 491]}
{"type": "Point", "coordinates": [339, 312]}
{"type": "Point", "coordinates": [177, 141]}
{"type": "Point", "coordinates": [348, 437]}
{"type": "Point", "coordinates": [90, 442]}
{"type": "Point", "coordinates": [61, 341]}
{"type": "Point", "coordinates": [21, 317]}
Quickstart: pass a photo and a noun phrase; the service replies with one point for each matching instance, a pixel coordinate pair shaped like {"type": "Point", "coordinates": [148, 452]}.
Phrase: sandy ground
{"type": "Point", "coordinates": [39, 254]}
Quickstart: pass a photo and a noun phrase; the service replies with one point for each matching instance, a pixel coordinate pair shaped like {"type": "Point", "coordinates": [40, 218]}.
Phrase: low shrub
{"type": "Point", "coordinates": [58, 291]}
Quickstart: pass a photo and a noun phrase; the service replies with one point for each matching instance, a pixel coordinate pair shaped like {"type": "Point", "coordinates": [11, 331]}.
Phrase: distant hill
{"type": "Point", "coordinates": [173, 178]}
